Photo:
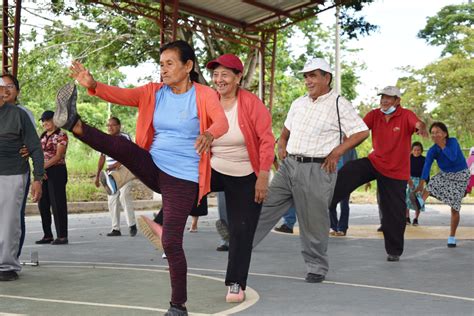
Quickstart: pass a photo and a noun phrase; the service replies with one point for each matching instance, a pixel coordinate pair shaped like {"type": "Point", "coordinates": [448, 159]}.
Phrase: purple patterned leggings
{"type": "Point", "coordinates": [178, 196]}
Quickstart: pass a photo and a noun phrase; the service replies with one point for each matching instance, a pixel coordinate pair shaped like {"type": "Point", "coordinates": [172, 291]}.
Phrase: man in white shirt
{"type": "Point", "coordinates": [310, 146]}
{"type": "Point", "coordinates": [122, 193]}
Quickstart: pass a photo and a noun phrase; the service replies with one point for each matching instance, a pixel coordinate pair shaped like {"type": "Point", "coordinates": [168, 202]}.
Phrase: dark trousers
{"type": "Point", "coordinates": [54, 200]}
{"type": "Point", "coordinates": [342, 224]}
{"type": "Point", "coordinates": [179, 197]}
{"type": "Point", "coordinates": [392, 203]}
{"type": "Point", "coordinates": [242, 215]}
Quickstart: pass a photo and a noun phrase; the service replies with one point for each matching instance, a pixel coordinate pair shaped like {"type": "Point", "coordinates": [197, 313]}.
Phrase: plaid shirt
{"type": "Point", "coordinates": [313, 125]}
{"type": "Point", "coordinates": [50, 143]}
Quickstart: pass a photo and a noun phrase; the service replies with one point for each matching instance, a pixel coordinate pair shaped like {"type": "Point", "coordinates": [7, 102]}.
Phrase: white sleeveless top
{"type": "Point", "coordinates": [229, 152]}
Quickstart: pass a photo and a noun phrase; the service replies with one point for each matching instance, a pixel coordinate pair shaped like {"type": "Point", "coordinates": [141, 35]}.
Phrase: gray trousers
{"type": "Point", "coordinates": [12, 195]}
{"type": "Point", "coordinates": [310, 189]}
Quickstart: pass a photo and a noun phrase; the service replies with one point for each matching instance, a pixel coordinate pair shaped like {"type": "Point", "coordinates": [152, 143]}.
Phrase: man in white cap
{"type": "Point", "coordinates": [389, 163]}
{"type": "Point", "coordinates": [310, 145]}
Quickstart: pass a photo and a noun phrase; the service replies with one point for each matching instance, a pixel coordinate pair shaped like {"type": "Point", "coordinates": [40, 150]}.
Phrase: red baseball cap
{"type": "Point", "coordinates": [227, 60]}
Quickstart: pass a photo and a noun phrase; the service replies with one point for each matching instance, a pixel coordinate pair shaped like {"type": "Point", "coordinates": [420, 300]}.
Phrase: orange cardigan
{"type": "Point", "coordinates": [211, 117]}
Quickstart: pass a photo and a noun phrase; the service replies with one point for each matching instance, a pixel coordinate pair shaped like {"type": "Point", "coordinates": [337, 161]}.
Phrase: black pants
{"type": "Point", "coordinates": [54, 198]}
{"type": "Point", "coordinates": [392, 199]}
{"type": "Point", "coordinates": [242, 213]}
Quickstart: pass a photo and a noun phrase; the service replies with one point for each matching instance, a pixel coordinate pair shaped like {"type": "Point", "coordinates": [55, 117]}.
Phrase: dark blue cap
{"type": "Point", "coordinates": [47, 115]}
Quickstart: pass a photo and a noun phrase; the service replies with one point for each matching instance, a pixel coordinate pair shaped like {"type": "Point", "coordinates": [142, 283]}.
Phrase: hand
{"type": "Point", "coordinates": [261, 186]}
{"type": "Point", "coordinates": [97, 183]}
{"type": "Point", "coordinates": [410, 184]}
{"type": "Point", "coordinates": [24, 152]}
{"type": "Point", "coordinates": [330, 163]}
{"type": "Point", "coordinates": [421, 129]}
{"type": "Point", "coordinates": [203, 142]}
{"type": "Point", "coordinates": [82, 75]}
{"type": "Point", "coordinates": [45, 176]}
{"type": "Point", "coordinates": [419, 188]}
{"type": "Point", "coordinates": [36, 191]}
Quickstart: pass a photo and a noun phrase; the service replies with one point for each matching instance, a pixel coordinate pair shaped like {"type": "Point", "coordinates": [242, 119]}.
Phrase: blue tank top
{"type": "Point", "coordinates": [176, 126]}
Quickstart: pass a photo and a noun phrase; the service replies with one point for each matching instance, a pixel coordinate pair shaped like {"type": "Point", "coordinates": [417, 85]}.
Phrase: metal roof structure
{"type": "Point", "coordinates": [253, 23]}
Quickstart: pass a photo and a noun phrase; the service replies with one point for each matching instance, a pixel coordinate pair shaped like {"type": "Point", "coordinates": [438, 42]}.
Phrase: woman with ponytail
{"type": "Point", "coordinates": [177, 121]}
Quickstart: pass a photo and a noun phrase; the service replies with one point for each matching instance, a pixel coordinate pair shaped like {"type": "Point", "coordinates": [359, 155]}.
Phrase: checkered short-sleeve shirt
{"type": "Point", "coordinates": [313, 125]}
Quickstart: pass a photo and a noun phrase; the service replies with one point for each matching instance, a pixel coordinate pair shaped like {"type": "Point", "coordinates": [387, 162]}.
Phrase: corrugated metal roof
{"type": "Point", "coordinates": [246, 12]}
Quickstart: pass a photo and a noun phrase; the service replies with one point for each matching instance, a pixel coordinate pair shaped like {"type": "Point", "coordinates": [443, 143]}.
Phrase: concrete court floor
{"type": "Point", "coordinates": [99, 275]}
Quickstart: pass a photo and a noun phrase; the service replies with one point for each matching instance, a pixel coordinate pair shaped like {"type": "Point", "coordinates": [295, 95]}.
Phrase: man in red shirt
{"type": "Point", "coordinates": [389, 163]}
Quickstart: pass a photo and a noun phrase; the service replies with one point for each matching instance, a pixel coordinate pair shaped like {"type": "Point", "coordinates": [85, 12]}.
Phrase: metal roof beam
{"type": "Point", "coordinates": [208, 14]}
{"type": "Point", "coordinates": [277, 11]}
{"type": "Point", "coordinates": [287, 12]}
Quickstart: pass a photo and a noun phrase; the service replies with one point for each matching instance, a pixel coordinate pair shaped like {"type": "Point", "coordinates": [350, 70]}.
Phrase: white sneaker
{"type": "Point", "coordinates": [163, 256]}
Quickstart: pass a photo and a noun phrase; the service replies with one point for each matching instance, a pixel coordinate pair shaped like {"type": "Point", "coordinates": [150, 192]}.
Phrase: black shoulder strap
{"type": "Point", "coordinates": [339, 119]}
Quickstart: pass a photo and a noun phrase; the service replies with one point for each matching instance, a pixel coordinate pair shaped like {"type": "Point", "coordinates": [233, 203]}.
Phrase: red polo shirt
{"type": "Point", "coordinates": [391, 142]}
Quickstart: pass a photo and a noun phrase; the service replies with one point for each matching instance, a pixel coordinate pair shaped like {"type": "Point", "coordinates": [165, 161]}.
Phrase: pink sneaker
{"type": "Point", "coordinates": [235, 294]}
{"type": "Point", "coordinates": [151, 230]}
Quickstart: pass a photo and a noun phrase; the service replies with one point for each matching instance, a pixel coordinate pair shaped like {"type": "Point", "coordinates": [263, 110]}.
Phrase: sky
{"type": "Point", "coordinates": [395, 44]}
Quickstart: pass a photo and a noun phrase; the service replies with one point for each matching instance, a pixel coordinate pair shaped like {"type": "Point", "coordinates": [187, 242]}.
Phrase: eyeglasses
{"type": "Point", "coordinates": [9, 86]}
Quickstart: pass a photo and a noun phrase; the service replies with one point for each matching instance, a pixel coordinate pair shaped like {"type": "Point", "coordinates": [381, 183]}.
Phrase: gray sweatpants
{"type": "Point", "coordinates": [310, 189]}
{"type": "Point", "coordinates": [12, 193]}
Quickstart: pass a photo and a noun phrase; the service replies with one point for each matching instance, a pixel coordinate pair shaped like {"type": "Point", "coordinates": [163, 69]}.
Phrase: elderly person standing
{"type": "Point", "coordinates": [16, 130]}
{"type": "Point", "coordinates": [389, 163]}
{"type": "Point", "coordinates": [177, 121]}
{"type": "Point", "coordinates": [54, 144]}
{"type": "Point", "coordinates": [449, 185]}
{"type": "Point", "coordinates": [123, 194]}
{"type": "Point", "coordinates": [310, 147]}
{"type": "Point", "coordinates": [241, 161]}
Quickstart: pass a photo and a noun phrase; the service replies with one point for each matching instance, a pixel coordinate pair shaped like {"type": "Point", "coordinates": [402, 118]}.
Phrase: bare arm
{"type": "Point", "coordinates": [330, 163]}
{"type": "Point", "coordinates": [282, 142]}
{"type": "Point", "coordinates": [100, 166]}
{"type": "Point", "coordinates": [60, 153]}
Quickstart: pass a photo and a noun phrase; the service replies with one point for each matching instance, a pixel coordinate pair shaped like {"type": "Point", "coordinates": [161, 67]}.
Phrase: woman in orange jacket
{"type": "Point", "coordinates": [177, 121]}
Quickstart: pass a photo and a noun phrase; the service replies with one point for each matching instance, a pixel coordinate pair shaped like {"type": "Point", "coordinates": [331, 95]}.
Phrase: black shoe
{"type": "Point", "coordinates": [115, 233]}
{"type": "Point", "coordinates": [66, 115]}
{"type": "Point", "coordinates": [380, 229]}
{"type": "Point", "coordinates": [223, 248]}
{"type": "Point", "coordinates": [284, 229]}
{"type": "Point", "coordinates": [393, 258]}
{"type": "Point", "coordinates": [223, 229]}
{"type": "Point", "coordinates": [8, 276]}
{"type": "Point", "coordinates": [44, 240]}
{"type": "Point", "coordinates": [415, 222]}
{"type": "Point", "coordinates": [133, 230]}
{"type": "Point", "coordinates": [60, 241]}
{"type": "Point", "coordinates": [176, 310]}
{"type": "Point", "coordinates": [314, 278]}
{"type": "Point", "coordinates": [408, 221]}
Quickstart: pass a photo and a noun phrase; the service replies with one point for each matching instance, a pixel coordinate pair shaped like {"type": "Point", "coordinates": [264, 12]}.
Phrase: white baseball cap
{"type": "Point", "coordinates": [316, 63]}
{"type": "Point", "coordinates": [390, 91]}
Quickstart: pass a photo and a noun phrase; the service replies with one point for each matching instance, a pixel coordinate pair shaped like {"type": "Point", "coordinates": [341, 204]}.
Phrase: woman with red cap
{"type": "Point", "coordinates": [241, 160]}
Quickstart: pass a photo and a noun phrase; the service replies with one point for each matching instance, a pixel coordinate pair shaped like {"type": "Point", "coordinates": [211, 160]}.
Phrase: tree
{"type": "Point", "coordinates": [448, 28]}
{"type": "Point", "coordinates": [448, 81]}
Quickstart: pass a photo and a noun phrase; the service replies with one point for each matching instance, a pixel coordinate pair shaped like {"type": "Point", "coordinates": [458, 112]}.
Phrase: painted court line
{"type": "Point", "coordinates": [252, 296]}
{"type": "Point", "coordinates": [463, 298]}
